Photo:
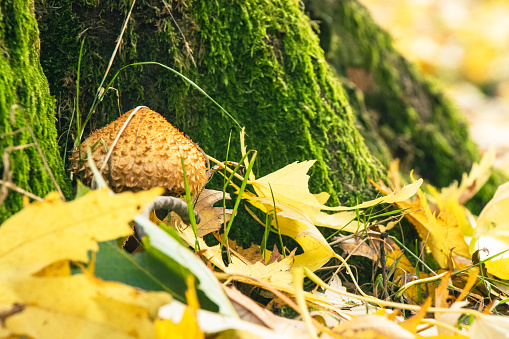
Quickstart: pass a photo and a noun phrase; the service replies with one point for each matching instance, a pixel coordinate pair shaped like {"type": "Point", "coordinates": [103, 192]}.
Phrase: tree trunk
{"type": "Point", "coordinates": [261, 60]}
{"type": "Point", "coordinates": [25, 106]}
{"type": "Point", "coordinates": [401, 113]}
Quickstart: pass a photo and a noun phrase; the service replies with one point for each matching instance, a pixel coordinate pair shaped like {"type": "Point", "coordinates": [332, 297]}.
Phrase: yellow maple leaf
{"type": "Point", "coordinates": [289, 186]}
{"type": "Point", "coordinates": [441, 233]}
{"type": "Point", "coordinates": [454, 196]}
{"type": "Point", "coordinates": [38, 242]}
{"type": "Point", "coordinates": [53, 230]}
{"type": "Point", "coordinates": [299, 211]}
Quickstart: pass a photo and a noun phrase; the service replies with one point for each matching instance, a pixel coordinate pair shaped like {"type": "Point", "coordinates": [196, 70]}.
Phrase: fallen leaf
{"type": "Point", "coordinates": [337, 300]}
{"type": "Point", "coordinates": [440, 233]}
{"type": "Point", "coordinates": [372, 326]}
{"type": "Point", "coordinates": [251, 311]}
{"type": "Point", "coordinates": [490, 326]}
{"type": "Point", "coordinates": [42, 237]}
{"type": "Point", "coordinates": [358, 246]}
{"type": "Point", "coordinates": [211, 217]}
{"type": "Point", "coordinates": [289, 186]}
{"type": "Point", "coordinates": [53, 230]}
{"type": "Point", "coordinates": [454, 196]}
{"type": "Point", "coordinates": [411, 324]}
{"type": "Point", "coordinates": [188, 326]}
{"type": "Point", "coordinates": [275, 256]}
{"type": "Point", "coordinates": [492, 231]}
{"type": "Point", "coordinates": [297, 225]}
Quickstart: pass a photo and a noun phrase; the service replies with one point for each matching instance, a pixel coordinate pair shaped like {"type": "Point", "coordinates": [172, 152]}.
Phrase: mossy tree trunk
{"type": "Point", "coordinates": [261, 60]}
{"type": "Point", "coordinates": [401, 113]}
{"type": "Point", "coordinates": [25, 103]}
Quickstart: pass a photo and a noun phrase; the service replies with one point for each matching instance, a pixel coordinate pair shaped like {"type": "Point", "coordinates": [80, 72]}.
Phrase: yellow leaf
{"type": "Point", "coordinates": [441, 234]}
{"type": "Point", "coordinates": [38, 243]}
{"type": "Point", "coordinates": [278, 272]}
{"type": "Point", "coordinates": [297, 225]}
{"type": "Point", "coordinates": [453, 197]}
{"type": "Point", "coordinates": [494, 218]}
{"type": "Point", "coordinates": [492, 229]}
{"type": "Point", "coordinates": [299, 210]}
{"type": "Point", "coordinates": [79, 306]}
{"type": "Point", "coordinates": [499, 267]}
{"type": "Point", "coordinates": [53, 230]}
{"type": "Point", "coordinates": [290, 186]}
{"type": "Point", "coordinates": [188, 326]}
{"type": "Point", "coordinates": [57, 269]}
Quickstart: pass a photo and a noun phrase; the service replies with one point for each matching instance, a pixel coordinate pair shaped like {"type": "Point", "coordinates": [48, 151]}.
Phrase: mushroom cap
{"type": "Point", "coordinates": [147, 154]}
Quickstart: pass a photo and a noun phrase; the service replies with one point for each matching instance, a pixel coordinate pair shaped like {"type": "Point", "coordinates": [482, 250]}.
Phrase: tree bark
{"type": "Point", "coordinates": [261, 60]}
{"type": "Point", "coordinates": [25, 107]}
{"type": "Point", "coordinates": [401, 113]}
{"type": "Point", "coordinates": [264, 62]}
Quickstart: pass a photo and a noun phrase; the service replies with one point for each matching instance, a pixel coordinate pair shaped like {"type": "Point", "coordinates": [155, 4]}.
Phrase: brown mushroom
{"type": "Point", "coordinates": [147, 154]}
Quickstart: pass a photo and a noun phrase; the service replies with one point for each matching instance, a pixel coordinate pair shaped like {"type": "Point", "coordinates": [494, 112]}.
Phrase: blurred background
{"type": "Point", "coordinates": [465, 44]}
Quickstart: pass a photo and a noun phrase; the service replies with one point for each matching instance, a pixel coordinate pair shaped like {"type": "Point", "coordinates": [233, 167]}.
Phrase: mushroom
{"type": "Point", "coordinates": [147, 154]}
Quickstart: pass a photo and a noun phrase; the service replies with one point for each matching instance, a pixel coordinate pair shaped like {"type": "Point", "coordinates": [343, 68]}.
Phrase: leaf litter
{"type": "Point", "coordinates": [49, 289]}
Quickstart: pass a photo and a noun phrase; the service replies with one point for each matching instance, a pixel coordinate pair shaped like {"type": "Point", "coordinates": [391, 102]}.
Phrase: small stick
{"type": "Point", "coordinates": [62, 196]}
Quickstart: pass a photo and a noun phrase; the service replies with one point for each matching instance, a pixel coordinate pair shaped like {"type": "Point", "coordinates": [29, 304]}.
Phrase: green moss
{"type": "Point", "coordinates": [409, 112]}
{"type": "Point", "coordinates": [260, 59]}
{"type": "Point", "coordinates": [24, 96]}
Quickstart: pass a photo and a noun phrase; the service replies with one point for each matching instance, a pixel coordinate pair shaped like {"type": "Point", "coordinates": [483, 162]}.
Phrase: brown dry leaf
{"type": "Point", "coordinates": [251, 311]}
{"type": "Point", "coordinates": [248, 255]}
{"type": "Point", "coordinates": [358, 246]}
{"type": "Point", "coordinates": [275, 256]}
{"type": "Point", "coordinates": [211, 217]}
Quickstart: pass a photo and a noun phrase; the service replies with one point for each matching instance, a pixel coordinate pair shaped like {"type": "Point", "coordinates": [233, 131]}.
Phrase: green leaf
{"type": "Point", "coordinates": [170, 251]}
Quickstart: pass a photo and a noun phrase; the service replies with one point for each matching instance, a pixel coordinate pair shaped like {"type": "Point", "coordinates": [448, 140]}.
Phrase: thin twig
{"type": "Point", "coordinates": [46, 166]}
{"type": "Point", "coordinates": [98, 93]}
{"type": "Point", "coordinates": [18, 189]}
{"type": "Point", "coordinates": [227, 168]}
{"type": "Point", "coordinates": [7, 183]}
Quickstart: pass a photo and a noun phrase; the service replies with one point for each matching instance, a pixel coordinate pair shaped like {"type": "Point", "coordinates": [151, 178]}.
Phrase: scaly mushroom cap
{"type": "Point", "coordinates": [146, 155]}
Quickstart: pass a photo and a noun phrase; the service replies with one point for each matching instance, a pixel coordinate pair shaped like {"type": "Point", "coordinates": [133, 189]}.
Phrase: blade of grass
{"type": "Point", "coordinates": [190, 207]}
{"type": "Point", "coordinates": [412, 254]}
{"type": "Point", "coordinates": [239, 198]}
{"type": "Point", "coordinates": [277, 223]}
{"type": "Point", "coordinates": [96, 97]}
{"type": "Point", "coordinates": [266, 232]}
{"type": "Point", "coordinates": [225, 181]}
{"type": "Point", "coordinates": [96, 102]}
{"type": "Point", "coordinates": [78, 101]}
